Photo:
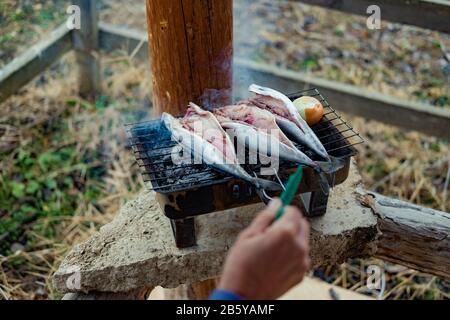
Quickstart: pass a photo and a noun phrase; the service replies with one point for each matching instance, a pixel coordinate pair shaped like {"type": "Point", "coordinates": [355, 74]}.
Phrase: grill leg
{"type": "Point", "coordinates": [316, 202]}
{"type": "Point", "coordinates": [184, 232]}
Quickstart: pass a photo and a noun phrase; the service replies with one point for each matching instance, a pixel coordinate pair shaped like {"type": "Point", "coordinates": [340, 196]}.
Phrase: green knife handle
{"type": "Point", "coordinates": [289, 193]}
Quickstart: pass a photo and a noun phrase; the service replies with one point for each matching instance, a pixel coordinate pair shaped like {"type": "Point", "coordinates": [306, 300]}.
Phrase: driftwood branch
{"type": "Point", "coordinates": [411, 235]}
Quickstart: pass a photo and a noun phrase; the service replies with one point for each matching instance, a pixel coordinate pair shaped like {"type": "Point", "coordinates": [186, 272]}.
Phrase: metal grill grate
{"type": "Point", "coordinates": [153, 146]}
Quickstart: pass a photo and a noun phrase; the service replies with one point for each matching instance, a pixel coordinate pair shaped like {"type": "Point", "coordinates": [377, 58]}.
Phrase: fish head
{"type": "Point", "coordinates": [279, 104]}
{"type": "Point", "coordinates": [271, 93]}
{"type": "Point", "coordinates": [195, 109]}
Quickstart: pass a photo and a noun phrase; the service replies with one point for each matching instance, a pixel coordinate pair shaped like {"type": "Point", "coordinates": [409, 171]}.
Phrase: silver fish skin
{"type": "Point", "coordinates": [209, 154]}
{"type": "Point", "coordinates": [252, 121]}
{"type": "Point", "coordinates": [265, 120]}
{"type": "Point", "coordinates": [261, 139]}
{"type": "Point", "coordinates": [300, 130]}
{"type": "Point", "coordinates": [254, 116]}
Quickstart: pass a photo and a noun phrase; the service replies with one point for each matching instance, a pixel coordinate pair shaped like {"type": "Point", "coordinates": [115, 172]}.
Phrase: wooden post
{"type": "Point", "coordinates": [85, 42]}
{"type": "Point", "coordinates": [190, 48]}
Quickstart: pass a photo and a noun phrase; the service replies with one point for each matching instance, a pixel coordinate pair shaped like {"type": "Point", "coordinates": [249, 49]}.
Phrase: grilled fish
{"type": "Point", "coordinates": [200, 133]}
{"type": "Point", "coordinates": [264, 143]}
{"type": "Point", "coordinates": [244, 121]}
{"type": "Point", "coordinates": [290, 121]}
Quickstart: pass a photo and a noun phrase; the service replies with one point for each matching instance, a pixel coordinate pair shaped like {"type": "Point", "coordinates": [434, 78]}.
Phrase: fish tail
{"type": "Point", "coordinates": [266, 184]}
{"type": "Point", "coordinates": [333, 165]}
{"type": "Point", "coordinates": [167, 119]}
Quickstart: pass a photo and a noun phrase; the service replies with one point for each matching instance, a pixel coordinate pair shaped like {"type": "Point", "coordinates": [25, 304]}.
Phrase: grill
{"type": "Point", "coordinates": [187, 190]}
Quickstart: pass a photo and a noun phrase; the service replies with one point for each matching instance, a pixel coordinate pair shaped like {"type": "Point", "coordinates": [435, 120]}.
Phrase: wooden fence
{"type": "Point", "coordinates": [427, 14]}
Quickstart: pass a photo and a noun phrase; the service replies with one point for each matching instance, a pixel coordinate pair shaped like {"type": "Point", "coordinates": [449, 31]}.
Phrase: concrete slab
{"type": "Point", "coordinates": [137, 249]}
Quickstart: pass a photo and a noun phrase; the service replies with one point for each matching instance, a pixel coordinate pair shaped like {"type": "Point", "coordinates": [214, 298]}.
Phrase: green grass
{"type": "Point", "coordinates": [307, 64]}
{"type": "Point", "coordinates": [23, 23]}
{"type": "Point", "coordinates": [46, 178]}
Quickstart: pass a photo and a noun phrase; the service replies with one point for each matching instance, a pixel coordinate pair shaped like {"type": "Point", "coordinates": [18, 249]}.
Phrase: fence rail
{"type": "Point", "coordinates": [33, 61]}
{"type": "Point", "coordinates": [428, 14]}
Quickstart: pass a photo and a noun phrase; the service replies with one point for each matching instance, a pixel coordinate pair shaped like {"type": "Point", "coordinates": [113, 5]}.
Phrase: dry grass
{"type": "Point", "coordinates": [400, 282]}
{"type": "Point", "coordinates": [90, 129]}
{"type": "Point", "coordinates": [23, 23]}
{"type": "Point", "coordinates": [407, 165]}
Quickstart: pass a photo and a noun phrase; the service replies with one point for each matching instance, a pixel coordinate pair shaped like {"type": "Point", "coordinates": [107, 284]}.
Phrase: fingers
{"type": "Point", "coordinates": [304, 231]}
{"type": "Point", "coordinates": [291, 224]}
{"type": "Point", "coordinates": [264, 219]}
{"type": "Point", "coordinates": [281, 247]}
{"type": "Point", "coordinates": [292, 229]}
{"type": "Point", "coordinates": [290, 221]}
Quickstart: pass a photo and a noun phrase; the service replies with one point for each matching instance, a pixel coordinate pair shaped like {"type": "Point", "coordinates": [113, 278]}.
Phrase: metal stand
{"type": "Point", "coordinates": [313, 204]}
{"type": "Point", "coordinates": [184, 232]}
{"type": "Point", "coordinates": [316, 202]}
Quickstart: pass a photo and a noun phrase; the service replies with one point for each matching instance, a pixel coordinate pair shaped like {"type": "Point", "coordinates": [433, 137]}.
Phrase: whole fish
{"type": "Point", "coordinates": [244, 121]}
{"type": "Point", "coordinates": [200, 133]}
{"type": "Point", "coordinates": [262, 143]}
{"type": "Point", "coordinates": [289, 120]}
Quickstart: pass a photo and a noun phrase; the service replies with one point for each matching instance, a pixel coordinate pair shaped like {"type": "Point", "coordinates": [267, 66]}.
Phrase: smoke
{"type": "Point", "coordinates": [215, 98]}
{"type": "Point", "coordinates": [244, 45]}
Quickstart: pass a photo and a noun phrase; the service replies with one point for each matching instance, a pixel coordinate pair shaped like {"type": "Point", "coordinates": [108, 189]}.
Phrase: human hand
{"type": "Point", "coordinates": [268, 257]}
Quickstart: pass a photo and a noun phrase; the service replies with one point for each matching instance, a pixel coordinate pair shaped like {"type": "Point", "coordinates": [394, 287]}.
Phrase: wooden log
{"type": "Point", "coordinates": [411, 235]}
{"type": "Point", "coordinates": [190, 48]}
{"type": "Point", "coordinates": [428, 14]}
{"type": "Point", "coordinates": [33, 61]}
{"type": "Point", "coordinates": [202, 290]}
{"type": "Point", "coordinates": [85, 43]}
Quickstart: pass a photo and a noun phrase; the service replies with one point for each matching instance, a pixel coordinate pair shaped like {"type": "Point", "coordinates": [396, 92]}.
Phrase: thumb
{"type": "Point", "coordinates": [291, 220]}
{"type": "Point", "coordinates": [264, 219]}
